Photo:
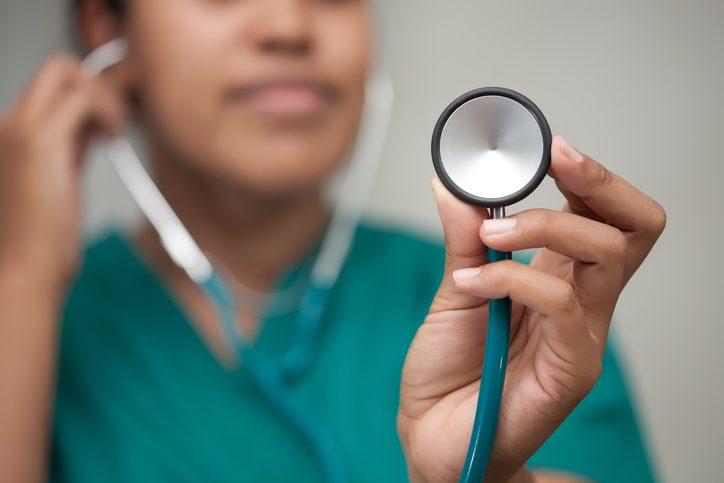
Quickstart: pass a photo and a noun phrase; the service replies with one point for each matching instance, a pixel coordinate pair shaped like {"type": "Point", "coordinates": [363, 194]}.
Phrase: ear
{"type": "Point", "coordinates": [97, 23]}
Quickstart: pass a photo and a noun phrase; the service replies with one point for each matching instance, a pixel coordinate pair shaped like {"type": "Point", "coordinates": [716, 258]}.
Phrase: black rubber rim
{"type": "Point", "coordinates": [518, 195]}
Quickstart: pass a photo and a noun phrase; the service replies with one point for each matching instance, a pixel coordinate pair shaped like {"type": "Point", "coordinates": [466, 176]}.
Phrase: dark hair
{"type": "Point", "coordinates": [115, 5]}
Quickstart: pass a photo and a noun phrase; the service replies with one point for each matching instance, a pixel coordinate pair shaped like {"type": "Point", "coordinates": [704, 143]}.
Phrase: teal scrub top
{"type": "Point", "coordinates": [141, 398]}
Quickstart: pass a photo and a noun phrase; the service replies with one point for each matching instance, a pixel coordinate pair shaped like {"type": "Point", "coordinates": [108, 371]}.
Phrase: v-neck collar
{"type": "Point", "coordinates": [275, 333]}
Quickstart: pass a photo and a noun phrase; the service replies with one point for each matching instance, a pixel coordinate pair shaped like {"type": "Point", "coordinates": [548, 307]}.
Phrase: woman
{"type": "Point", "coordinates": [248, 108]}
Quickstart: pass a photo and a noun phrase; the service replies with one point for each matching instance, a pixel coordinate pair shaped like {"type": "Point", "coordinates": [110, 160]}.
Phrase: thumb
{"type": "Point", "coordinates": [463, 246]}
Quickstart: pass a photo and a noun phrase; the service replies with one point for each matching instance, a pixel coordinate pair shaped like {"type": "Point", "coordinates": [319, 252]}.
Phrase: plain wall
{"type": "Point", "coordinates": [635, 84]}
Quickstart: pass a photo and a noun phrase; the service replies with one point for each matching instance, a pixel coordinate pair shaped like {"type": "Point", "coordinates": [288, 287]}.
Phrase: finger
{"type": "Point", "coordinates": [93, 104]}
{"type": "Point", "coordinates": [463, 247]}
{"type": "Point", "coordinates": [599, 251]}
{"type": "Point", "coordinates": [576, 206]}
{"type": "Point", "coordinates": [574, 236]}
{"type": "Point", "coordinates": [604, 193]}
{"type": "Point", "coordinates": [564, 325]}
{"type": "Point", "coordinates": [56, 77]}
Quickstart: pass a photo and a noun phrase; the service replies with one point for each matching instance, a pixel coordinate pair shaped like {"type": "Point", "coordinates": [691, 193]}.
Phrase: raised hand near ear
{"type": "Point", "coordinates": [42, 142]}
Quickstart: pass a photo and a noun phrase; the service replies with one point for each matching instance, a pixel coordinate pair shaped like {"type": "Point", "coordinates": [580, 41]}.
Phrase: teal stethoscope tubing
{"type": "Point", "coordinates": [491, 384]}
{"type": "Point", "coordinates": [270, 376]}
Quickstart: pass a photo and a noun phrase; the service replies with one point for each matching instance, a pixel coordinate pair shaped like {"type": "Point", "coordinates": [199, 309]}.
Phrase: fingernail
{"type": "Point", "coordinates": [499, 226]}
{"type": "Point", "coordinates": [570, 152]}
{"type": "Point", "coordinates": [465, 274]}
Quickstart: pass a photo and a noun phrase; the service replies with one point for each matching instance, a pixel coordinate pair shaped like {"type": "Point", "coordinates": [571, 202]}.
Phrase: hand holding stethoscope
{"type": "Point", "coordinates": [562, 303]}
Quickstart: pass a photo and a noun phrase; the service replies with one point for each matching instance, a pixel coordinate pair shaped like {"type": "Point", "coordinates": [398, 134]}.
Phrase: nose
{"type": "Point", "coordinates": [284, 27]}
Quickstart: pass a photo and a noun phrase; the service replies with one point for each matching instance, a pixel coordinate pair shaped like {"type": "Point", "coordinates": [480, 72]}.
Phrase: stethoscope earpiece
{"type": "Point", "coordinates": [491, 147]}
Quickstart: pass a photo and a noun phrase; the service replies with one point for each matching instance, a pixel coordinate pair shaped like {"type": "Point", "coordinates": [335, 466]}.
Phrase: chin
{"type": "Point", "coordinates": [278, 166]}
{"type": "Point", "coordinates": [277, 176]}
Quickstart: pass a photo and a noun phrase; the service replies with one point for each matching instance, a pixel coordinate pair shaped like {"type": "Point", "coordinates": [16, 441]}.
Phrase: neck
{"type": "Point", "coordinates": [256, 237]}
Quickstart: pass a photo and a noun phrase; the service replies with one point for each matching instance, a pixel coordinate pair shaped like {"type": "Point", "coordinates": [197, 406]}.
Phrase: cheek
{"type": "Point", "coordinates": [174, 71]}
{"type": "Point", "coordinates": [183, 64]}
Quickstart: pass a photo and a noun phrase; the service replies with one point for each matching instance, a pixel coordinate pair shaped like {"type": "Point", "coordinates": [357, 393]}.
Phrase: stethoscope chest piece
{"type": "Point", "coordinates": [491, 147]}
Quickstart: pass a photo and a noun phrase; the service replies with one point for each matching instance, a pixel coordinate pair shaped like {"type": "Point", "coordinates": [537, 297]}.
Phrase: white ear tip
{"type": "Point", "coordinates": [105, 56]}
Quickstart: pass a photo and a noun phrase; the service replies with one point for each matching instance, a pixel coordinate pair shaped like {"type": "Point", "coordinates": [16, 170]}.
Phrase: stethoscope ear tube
{"type": "Point", "coordinates": [270, 380]}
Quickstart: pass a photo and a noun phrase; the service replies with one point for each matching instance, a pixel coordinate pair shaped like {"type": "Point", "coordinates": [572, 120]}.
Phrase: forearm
{"type": "Point", "coordinates": [29, 312]}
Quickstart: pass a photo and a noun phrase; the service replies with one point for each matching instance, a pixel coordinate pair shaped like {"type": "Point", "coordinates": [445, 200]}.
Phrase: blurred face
{"type": "Point", "coordinates": [266, 94]}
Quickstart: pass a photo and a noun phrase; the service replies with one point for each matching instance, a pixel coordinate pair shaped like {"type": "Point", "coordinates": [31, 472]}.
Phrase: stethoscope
{"type": "Point", "coordinates": [491, 148]}
{"type": "Point", "coordinates": [272, 376]}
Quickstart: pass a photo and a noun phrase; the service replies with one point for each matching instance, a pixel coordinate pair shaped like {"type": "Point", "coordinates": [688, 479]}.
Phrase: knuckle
{"type": "Point", "coordinates": [591, 376]}
{"type": "Point", "coordinates": [604, 177]}
{"type": "Point", "coordinates": [88, 93]}
{"type": "Point", "coordinates": [509, 270]}
{"type": "Point", "coordinates": [501, 274]}
{"type": "Point", "coordinates": [547, 219]}
{"type": "Point", "coordinates": [596, 370]}
{"type": "Point", "coordinates": [566, 299]}
{"type": "Point", "coordinates": [534, 223]}
{"type": "Point", "coordinates": [16, 140]}
{"type": "Point", "coordinates": [62, 64]}
{"type": "Point", "coordinates": [83, 98]}
{"type": "Point", "coordinates": [618, 244]}
{"type": "Point", "coordinates": [530, 222]}
{"type": "Point", "coordinates": [657, 219]}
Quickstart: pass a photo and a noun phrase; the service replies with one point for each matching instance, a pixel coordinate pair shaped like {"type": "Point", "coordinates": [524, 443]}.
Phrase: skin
{"type": "Point", "coordinates": [248, 107]}
{"type": "Point", "coordinates": [562, 308]}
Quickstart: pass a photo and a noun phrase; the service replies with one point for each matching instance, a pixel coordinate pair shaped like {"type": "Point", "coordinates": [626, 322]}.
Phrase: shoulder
{"type": "Point", "coordinates": [111, 282]}
{"type": "Point", "coordinates": [85, 328]}
{"type": "Point", "coordinates": [107, 264]}
{"type": "Point", "coordinates": [93, 277]}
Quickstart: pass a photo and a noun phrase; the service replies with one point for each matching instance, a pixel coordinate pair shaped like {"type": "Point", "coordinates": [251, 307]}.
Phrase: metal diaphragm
{"type": "Point", "coordinates": [491, 147]}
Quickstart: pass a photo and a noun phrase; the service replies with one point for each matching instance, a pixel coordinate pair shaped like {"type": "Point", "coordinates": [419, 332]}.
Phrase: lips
{"type": "Point", "coordinates": [285, 98]}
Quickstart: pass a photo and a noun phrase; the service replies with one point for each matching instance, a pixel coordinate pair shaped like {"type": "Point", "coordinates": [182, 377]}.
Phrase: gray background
{"type": "Point", "coordinates": [636, 84]}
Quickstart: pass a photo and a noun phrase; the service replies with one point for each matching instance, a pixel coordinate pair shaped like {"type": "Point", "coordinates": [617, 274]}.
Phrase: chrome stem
{"type": "Point", "coordinates": [497, 212]}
